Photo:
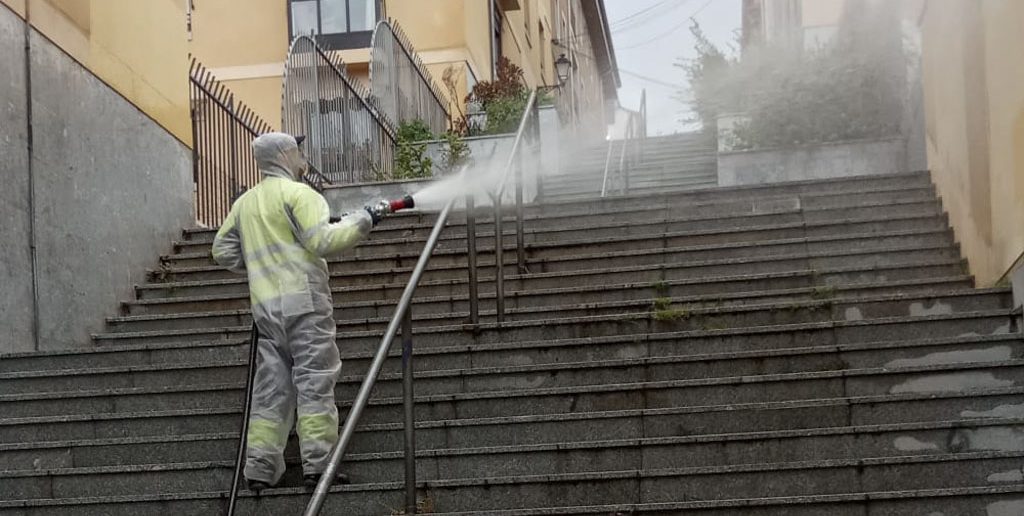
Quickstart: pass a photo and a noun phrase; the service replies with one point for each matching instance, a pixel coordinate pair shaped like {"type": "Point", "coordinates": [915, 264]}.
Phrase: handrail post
{"type": "Point", "coordinates": [607, 162]}
{"type": "Point", "coordinates": [410, 413]}
{"type": "Point", "coordinates": [520, 236]}
{"type": "Point", "coordinates": [363, 396]}
{"type": "Point", "coordinates": [623, 171]}
{"type": "Point", "coordinates": [499, 261]}
{"type": "Point", "coordinates": [254, 341]}
{"type": "Point", "coordinates": [474, 282]}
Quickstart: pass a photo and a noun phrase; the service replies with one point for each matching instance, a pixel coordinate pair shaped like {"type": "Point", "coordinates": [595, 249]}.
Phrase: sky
{"type": "Point", "coordinates": [650, 36]}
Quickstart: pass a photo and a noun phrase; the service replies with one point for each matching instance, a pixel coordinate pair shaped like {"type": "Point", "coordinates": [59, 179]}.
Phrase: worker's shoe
{"type": "Point", "coordinates": [312, 480]}
{"type": "Point", "coordinates": [257, 485]}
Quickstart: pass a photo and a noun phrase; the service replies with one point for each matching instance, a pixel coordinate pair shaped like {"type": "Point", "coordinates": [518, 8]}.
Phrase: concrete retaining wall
{"type": "Point", "coordinates": [110, 190]}
{"type": "Point", "coordinates": [488, 157]}
{"type": "Point", "coordinates": [824, 161]}
{"type": "Point", "coordinates": [16, 313]}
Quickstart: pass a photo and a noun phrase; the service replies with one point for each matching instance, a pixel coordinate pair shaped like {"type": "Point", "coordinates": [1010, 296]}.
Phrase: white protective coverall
{"type": "Point", "coordinates": [278, 233]}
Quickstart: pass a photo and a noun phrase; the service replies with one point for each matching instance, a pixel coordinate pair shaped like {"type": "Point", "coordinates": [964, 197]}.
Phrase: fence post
{"type": "Point", "coordinates": [409, 406]}
{"type": "Point", "coordinates": [474, 286]}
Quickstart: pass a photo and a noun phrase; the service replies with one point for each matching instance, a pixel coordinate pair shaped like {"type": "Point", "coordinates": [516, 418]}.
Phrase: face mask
{"type": "Point", "coordinates": [297, 163]}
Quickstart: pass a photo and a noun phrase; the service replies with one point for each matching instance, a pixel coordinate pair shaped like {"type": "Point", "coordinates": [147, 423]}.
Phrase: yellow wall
{"type": "Point", "coordinates": [135, 47]}
{"type": "Point", "coordinates": [239, 32]}
{"type": "Point", "coordinates": [246, 53]}
{"type": "Point", "coordinates": [431, 27]}
{"type": "Point", "coordinates": [974, 105]}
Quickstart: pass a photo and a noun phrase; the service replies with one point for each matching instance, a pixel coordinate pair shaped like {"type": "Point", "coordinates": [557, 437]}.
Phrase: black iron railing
{"type": "Point", "coordinates": [401, 85]}
{"type": "Point", "coordinates": [348, 140]}
{"type": "Point", "coordinates": [222, 133]}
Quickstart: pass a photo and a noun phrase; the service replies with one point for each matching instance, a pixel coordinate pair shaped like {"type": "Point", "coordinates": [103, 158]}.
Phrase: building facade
{"type": "Point", "coordinates": [244, 43]}
{"type": "Point", "coordinates": [974, 112]}
{"type": "Point", "coordinates": [138, 48]}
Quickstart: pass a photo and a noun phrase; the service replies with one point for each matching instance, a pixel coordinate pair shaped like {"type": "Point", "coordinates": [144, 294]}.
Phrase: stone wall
{"type": "Point", "coordinates": [824, 161]}
{"type": "Point", "coordinates": [99, 193]}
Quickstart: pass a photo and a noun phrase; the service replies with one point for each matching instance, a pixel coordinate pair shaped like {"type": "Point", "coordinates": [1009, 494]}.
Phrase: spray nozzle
{"type": "Point", "coordinates": [401, 204]}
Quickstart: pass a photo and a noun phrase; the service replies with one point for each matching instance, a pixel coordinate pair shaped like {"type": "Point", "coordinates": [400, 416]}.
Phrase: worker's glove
{"type": "Point", "coordinates": [376, 214]}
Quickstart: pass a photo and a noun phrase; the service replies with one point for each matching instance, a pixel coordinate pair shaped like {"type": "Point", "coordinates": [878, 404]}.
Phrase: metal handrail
{"type": "Point", "coordinates": [514, 159]}
{"type": "Point", "coordinates": [643, 123]}
{"type": "Point", "coordinates": [401, 317]}
{"type": "Point", "coordinates": [623, 169]}
{"type": "Point", "coordinates": [607, 163]}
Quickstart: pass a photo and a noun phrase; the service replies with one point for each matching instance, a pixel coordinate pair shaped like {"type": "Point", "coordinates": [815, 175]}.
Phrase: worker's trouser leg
{"type": "Point", "coordinates": [297, 370]}
{"type": "Point", "coordinates": [316, 365]}
{"type": "Point", "coordinates": [273, 410]}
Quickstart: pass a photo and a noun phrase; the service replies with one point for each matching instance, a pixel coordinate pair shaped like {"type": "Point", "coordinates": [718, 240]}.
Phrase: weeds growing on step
{"type": "Point", "coordinates": [424, 505]}
{"type": "Point", "coordinates": [663, 311]}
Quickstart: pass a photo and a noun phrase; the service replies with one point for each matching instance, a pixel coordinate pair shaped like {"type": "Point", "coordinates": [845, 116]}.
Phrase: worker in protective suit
{"type": "Point", "coordinates": [278, 233]}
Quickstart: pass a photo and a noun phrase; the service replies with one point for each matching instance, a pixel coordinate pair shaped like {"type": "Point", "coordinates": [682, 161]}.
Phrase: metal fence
{"type": "Point", "coordinates": [222, 132]}
{"type": "Point", "coordinates": [401, 85]}
{"type": "Point", "coordinates": [347, 138]}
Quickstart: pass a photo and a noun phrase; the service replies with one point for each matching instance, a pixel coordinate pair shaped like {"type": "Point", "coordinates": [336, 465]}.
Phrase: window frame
{"type": "Point", "coordinates": [337, 40]}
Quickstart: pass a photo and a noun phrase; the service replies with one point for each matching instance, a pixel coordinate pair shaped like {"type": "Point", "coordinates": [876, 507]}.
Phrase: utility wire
{"type": "Point", "coordinates": [642, 21]}
{"type": "Point", "coordinates": [652, 80]}
{"type": "Point", "coordinates": [627, 19]}
{"type": "Point", "coordinates": [670, 31]}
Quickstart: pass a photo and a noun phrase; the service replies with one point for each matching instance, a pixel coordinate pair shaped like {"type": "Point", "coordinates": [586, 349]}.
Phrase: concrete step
{"type": "Point", "coordinates": [705, 194]}
{"type": "Point", "coordinates": [639, 175]}
{"type": "Point", "coordinates": [627, 236]}
{"type": "Point", "coordinates": [730, 216]}
{"type": "Point", "coordinates": [449, 266]}
{"type": "Point", "coordinates": [583, 456]}
{"type": "Point", "coordinates": [869, 252]}
{"type": "Point", "coordinates": [208, 282]}
{"type": "Point", "coordinates": [528, 305]}
{"type": "Point", "coordinates": [513, 394]}
{"type": "Point", "coordinates": [132, 358]}
{"type": "Point", "coordinates": [982, 500]}
{"type": "Point", "coordinates": [965, 472]}
{"type": "Point", "coordinates": [553, 364]}
{"type": "Point", "coordinates": [520, 304]}
{"type": "Point", "coordinates": [52, 436]}
{"type": "Point", "coordinates": [674, 173]}
{"type": "Point", "coordinates": [580, 320]}
{"type": "Point", "coordinates": [813, 194]}
{"type": "Point", "coordinates": [440, 459]}
{"type": "Point", "coordinates": [896, 263]}
{"type": "Point", "coordinates": [735, 215]}
{"type": "Point", "coordinates": [678, 179]}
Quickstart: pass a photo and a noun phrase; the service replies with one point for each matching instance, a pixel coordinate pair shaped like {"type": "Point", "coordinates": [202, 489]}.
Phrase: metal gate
{"type": "Point", "coordinates": [222, 131]}
{"type": "Point", "coordinates": [347, 138]}
{"type": "Point", "coordinates": [401, 84]}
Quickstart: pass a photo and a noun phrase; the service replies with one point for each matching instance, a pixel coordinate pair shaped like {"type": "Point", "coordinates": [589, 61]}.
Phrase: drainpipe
{"type": "Point", "coordinates": [31, 179]}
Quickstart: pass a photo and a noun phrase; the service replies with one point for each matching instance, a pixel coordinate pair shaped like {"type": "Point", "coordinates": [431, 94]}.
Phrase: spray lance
{"type": "Point", "coordinates": [385, 207]}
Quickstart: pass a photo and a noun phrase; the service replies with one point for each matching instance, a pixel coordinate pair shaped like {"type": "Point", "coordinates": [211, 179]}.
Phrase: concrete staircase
{"type": "Point", "coordinates": [801, 349]}
{"type": "Point", "coordinates": [668, 163]}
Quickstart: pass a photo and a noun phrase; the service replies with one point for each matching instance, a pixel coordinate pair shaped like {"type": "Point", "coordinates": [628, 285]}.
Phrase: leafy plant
{"type": "Point", "coordinates": [456, 152]}
{"type": "Point", "coordinates": [504, 114]}
{"type": "Point", "coordinates": [411, 161]}
{"type": "Point", "coordinates": [508, 83]}
{"type": "Point", "coordinates": [849, 89]}
{"type": "Point", "coordinates": [503, 99]}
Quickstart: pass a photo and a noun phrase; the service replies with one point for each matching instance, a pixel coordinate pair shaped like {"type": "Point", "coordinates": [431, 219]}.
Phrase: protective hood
{"type": "Point", "coordinates": [278, 155]}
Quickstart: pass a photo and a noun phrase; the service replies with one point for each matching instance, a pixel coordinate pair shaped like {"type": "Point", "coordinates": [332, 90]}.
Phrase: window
{"type": "Point", "coordinates": [336, 24]}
